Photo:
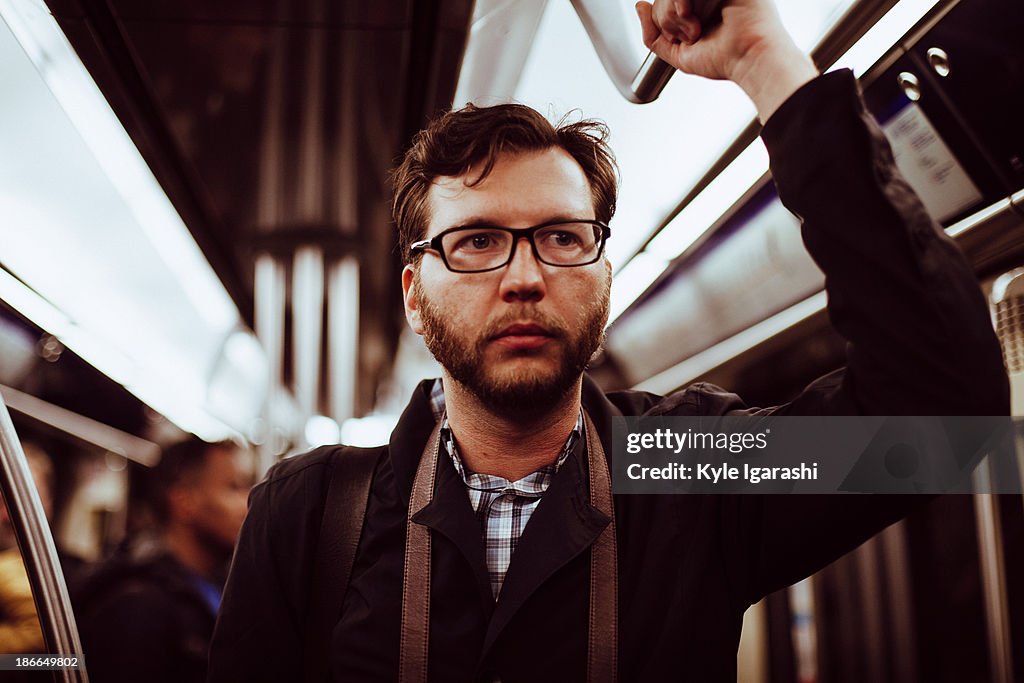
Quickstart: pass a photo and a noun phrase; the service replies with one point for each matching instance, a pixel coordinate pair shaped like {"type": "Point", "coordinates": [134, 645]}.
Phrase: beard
{"type": "Point", "coordinates": [508, 389]}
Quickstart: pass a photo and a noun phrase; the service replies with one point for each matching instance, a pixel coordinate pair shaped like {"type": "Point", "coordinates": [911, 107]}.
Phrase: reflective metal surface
{"type": "Point", "coordinates": [38, 551]}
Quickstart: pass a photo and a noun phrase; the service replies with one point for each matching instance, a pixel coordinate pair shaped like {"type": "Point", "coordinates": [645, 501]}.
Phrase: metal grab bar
{"type": "Point", "coordinates": [38, 551]}
{"type": "Point", "coordinates": [603, 24]}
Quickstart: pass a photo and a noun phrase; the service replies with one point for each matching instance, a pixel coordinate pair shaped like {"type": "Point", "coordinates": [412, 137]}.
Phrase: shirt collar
{"type": "Point", "coordinates": [533, 484]}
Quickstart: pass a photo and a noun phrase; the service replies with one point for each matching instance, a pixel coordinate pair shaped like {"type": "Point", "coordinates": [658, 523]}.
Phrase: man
{"type": "Point", "coordinates": [147, 614]}
{"type": "Point", "coordinates": [502, 222]}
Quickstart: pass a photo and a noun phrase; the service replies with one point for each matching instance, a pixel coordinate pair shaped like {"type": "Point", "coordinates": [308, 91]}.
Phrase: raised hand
{"type": "Point", "coordinates": [750, 47]}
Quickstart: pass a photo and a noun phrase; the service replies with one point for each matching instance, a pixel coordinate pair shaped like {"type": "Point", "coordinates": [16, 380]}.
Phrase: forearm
{"type": "Point", "coordinates": [770, 75]}
{"type": "Point", "coordinates": [900, 292]}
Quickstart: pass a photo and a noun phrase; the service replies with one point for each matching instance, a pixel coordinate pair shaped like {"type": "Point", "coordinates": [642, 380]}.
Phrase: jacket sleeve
{"type": "Point", "coordinates": [259, 625]}
{"type": "Point", "coordinates": [920, 339]}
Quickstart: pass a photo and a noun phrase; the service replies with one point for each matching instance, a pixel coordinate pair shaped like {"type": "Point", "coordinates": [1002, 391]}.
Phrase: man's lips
{"type": "Point", "coordinates": [523, 336]}
{"type": "Point", "coordinates": [523, 330]}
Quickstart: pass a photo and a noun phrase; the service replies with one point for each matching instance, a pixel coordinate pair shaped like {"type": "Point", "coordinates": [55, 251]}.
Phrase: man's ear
{"type": "Point", "coordinates": [412, 304]}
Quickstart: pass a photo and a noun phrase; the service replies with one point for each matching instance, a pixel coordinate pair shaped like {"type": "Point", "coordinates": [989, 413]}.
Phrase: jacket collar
{"type": "Point", "coordinates": [450, 514]}
{"type": "Point", "coordinates": [409, 438]}
{"type": "Point", "coordinates": [601, 411]}
{"type": "Point", "coordinates": [417, 421]}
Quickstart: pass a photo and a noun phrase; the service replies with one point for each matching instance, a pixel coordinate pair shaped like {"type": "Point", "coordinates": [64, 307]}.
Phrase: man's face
{"type": "Point", "coordinates": [518, 337]}
{"type": "Point", "coordinates": [217, 498]}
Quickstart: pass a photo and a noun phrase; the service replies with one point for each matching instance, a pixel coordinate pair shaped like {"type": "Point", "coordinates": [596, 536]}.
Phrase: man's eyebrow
{"type": "Point", "coordinates": [477, 223]}
{"type": "Point", "coordinates": [481, 222]}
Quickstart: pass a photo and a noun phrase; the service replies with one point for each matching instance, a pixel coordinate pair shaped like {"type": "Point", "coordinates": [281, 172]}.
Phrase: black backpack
{"type": "Point", "coordinates": [350, 475]}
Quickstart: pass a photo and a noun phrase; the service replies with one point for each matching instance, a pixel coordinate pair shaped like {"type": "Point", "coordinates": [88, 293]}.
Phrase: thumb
{"type": "Point", "coordinates": [644, 10]}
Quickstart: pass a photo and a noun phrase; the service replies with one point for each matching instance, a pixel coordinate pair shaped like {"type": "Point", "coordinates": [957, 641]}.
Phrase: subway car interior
{"type": "Point", "coordinates": [196, 243]}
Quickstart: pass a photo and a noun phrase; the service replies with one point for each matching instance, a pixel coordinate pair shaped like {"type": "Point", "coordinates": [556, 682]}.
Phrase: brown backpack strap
{"type": "Point", "coordinates": [415, 638]}
{"type": "Point", "coordinates": [603, 644]}
{"type": "Point", "coordinates": [348, 491]}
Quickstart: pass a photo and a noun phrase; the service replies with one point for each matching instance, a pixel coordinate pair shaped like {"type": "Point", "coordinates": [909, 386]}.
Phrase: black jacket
{"type": "Point", "coordinates": [142, 618]}
{"type": "Point", "coordinates": [921, 343]}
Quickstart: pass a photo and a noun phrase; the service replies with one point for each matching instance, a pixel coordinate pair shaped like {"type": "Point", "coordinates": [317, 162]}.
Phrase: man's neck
{"type": "Point", "coordinates": [190, 551]}
{"type": "Point", "coordinates": [504, 445]}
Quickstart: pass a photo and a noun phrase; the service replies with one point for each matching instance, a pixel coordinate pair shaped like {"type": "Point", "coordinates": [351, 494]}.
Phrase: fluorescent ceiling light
{"type": "Point", "coordinates": [633, 280]}
{"type": "Point", "coordinates": [886, 33]}
{"type": "Point", "coordinates": [717, 198]}
{"type": "Point", "coordinates": [72, 86]}
{"type": "Point", "coordinates": [108, 265]}
{"type": "Point", "coordinates": [159, 393]}
{"type": "Point", "coordinates": [688, 226]}
{"type": "Point", "coordinates": [43, 314]}
{"type": "Point", "coordinates": [111, 269]}
{"type": "Point", "coordinates": [37, 309]}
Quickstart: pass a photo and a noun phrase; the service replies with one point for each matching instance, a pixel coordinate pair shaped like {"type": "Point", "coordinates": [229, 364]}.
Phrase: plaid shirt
{"type": "Point", "coordinates": [503, 507]}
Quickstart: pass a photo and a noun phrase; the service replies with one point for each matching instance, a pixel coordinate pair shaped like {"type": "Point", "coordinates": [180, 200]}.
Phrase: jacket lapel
{"type": "Point", "coordinates": [562, 526]}
{"type": "Point", "coordinates": [450, 514]}
{"type": "Point", "coordinates": [601, 411]}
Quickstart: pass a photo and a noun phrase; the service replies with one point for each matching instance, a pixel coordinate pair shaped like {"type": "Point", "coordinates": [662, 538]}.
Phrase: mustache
{"type": "Point", "coordinates": [531, 316]}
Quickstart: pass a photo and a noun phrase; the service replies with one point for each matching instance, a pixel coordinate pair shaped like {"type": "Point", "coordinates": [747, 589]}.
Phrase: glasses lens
{"type": "Point", "coordinates": [568, 244]}
{"type": "Point", "coordinates": [476, 248]}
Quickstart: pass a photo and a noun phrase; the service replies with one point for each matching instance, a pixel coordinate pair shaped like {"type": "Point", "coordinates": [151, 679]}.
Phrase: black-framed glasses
{"type": "Point", "coordinates": [565, 244]}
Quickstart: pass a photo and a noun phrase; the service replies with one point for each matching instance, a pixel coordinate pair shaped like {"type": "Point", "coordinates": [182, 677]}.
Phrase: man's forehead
{"type": "Point", "coordinates": [521, 188]}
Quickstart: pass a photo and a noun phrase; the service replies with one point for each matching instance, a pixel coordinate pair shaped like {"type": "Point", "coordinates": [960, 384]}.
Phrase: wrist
{"type": "Point", "coordinates": [770, 73]}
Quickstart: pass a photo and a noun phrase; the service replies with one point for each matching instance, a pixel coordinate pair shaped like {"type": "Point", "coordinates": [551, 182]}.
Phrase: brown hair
{"type": "Point", "coordinates": [456, 141]}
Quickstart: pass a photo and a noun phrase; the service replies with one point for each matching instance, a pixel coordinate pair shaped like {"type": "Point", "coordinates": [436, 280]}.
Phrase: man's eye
{"type": "Point", "coordinates": [479, 241]}
{"type": "Point", "coordinates": [564, 239]}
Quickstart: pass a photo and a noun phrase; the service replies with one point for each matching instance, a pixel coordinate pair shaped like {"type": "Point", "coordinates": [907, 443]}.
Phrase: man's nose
{"type": "Point", "coordinates": [523, 277]}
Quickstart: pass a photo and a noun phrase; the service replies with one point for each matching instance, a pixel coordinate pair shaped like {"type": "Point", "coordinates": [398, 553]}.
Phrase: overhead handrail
{"type": "Point", "coordinates": [38, 552]}
{"type": "Point", "coordinates": [603, 23]}
{"type": "Point", "coordinates": [88, 431]}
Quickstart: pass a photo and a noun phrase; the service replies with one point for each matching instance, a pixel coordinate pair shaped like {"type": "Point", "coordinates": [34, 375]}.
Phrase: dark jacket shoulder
{"type": "Point", "coordinates": [309, 464]}
{"type": "Point", "coordinates": [702, 398]}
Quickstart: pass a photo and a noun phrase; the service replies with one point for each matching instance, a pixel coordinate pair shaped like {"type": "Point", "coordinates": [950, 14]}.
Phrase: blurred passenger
{"type": "Point", "coordinates": [19, 624]}
{"type": "Point", "coordinates": [147, 614]}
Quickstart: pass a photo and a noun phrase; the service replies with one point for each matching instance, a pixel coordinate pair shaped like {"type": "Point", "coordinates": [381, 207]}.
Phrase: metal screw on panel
{"type": "Point", "coordinates": [939, 60]}
{"type": "Point", "coordinates": [911, 86]}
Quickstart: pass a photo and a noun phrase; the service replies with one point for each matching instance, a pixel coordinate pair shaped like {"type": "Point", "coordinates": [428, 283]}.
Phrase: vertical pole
{"type": "Point", "coordinates": [307, 326]}
{"type": "Point", "coordinates": [269, 282]}
{"type": "Point", "coordinates": [38, 551]}
{"type": "Point", "coordinates": [269, 288]}
{"type": "Point", "coordinates": [343, 321]}
{"type": "Point", "coordinates": [993, 577]}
